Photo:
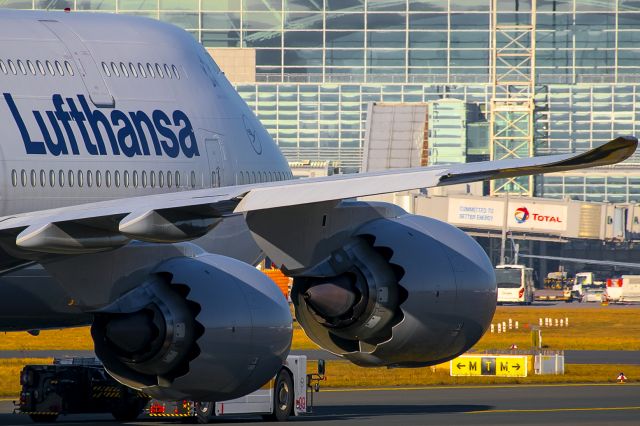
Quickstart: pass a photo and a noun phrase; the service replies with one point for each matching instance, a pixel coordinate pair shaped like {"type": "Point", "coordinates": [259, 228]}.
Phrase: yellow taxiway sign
{"type": "Point", "coordinates": [489, 365]}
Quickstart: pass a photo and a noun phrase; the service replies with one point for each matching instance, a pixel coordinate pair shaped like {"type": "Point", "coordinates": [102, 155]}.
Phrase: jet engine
{"type": "Point", "coordinates": [207, 328]}
{"type": "Point", "coordinates": [408, 291]}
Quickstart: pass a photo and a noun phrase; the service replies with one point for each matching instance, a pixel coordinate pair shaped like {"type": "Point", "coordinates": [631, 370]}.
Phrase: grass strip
{"type": "Point", "coordinates": [343, 374]}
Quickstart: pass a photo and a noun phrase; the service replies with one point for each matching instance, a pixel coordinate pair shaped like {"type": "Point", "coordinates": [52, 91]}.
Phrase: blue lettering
{"type": "Point", "coordinates": [161, 120]}
{"type": "Point", "coordinates": [94, 118]}
{"type": "Point", "coordinates": [139, 118]}
{"type": "Point", "coordinates": [32, 147]}
{"type": "Point", "coordinates": [64, 117]}
{"type": "Point", "coordinates": [132, 133]}
{"type": "Point", "coordinates": [126, 132]}
{"type": "Point", "coordinates": [186, 133]}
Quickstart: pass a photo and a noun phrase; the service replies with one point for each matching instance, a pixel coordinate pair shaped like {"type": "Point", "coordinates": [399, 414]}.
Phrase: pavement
{"type": "Point", "coordinates": [486, 405]}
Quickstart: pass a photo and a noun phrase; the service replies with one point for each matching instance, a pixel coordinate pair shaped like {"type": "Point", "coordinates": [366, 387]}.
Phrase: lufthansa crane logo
{"type": "Point", "coordinates": [254, 139]}
{"type": "Point", "coordinates": [521, 214]}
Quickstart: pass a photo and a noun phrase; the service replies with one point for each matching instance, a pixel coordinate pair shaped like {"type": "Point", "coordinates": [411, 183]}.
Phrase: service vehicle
{"type": "Point", "coordinates": [586, 288]}
{"type": "Point", "coordinates": [289, 393]}
{"type": "Point", "coordinates": [75, 386]}
{"type": "Point", "coordinates": [623, 289]}
{"type": "Point", "coordinates": [515, 284]}
{"type": "Point", "coordinates": [82, 386]}
{"type": "Point", "coordinates": [557, 287]}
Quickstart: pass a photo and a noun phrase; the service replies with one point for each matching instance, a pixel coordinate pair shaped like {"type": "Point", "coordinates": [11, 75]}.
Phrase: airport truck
{"type": "Point", "coordinates": [82, 386]}
{"type": "Point", "coordinates": [515, 284]}
{"type": "Point", "coordinates": [624, 289]}
{"type": "Point", "coordinates": [557, 287]}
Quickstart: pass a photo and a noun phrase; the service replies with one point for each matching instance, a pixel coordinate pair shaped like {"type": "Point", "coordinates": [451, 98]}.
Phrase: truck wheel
{"type": "Point", "coordinates": [128, 410]}
{"type": "Point", "coordinates": [204, 412]}
{"type": "Point", "coordinates": [43, 418]}
{"type": "Point", "coordinates": [282, 398]}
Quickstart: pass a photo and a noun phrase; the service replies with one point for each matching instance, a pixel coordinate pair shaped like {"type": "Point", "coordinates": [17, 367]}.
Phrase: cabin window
{"type": "Point", "coordinates": [52, 178]}
{"type": "Point", "coordinates": [69, 68]}
{"type": "Point", "coordinates": [124, 69]}
{"type": "Point", "coordinates": [106, 69]}
{"type": "Point", "coordinates": [177, 179]}
{"type": "Point", "coordinates": [133, 69]}
{"type": "Point", "coordinates": [169, 175]}
{"type": "Point", "coordinates": [126, 178]}
{"type": "Point", "coordinates": [89, 178]}
{"type": "Point", "coordinates": [50, 68]}
{"type": "Point", "coordinates": [175, 72]}
{"type": "Point", "coordinates": [12, 67]}
{"type": "Point", "coordinates": [14, 178]}
{"type": "Point", "coordinates": [61, 178]}
{"type": "Point", "coordinates": [32, 68]}
{"type": "Point", "coordinates": [107, 178]}
{"type": "Point", "coordinates": [143, 72]}
{"type": "Point", "coordinates": [23, 70]}
{"type": "Point", "coordinates": [159, 70]}
{"type": "Point", "coordinates": [98, 178]}
{"type": "Point", "coordinates": [167, 71]}
{"type": "Point", "coordinates": [43, 178]}
{"type": "Point", "coordinates": [80, 178]}
{"type": "Point", "coordinates": [23, 177]}
{"type": "Point", "coordinates": [135, 178]}
{"type": "Point", "coordinates": [144, 179]}
{"type": "Point", "coordinates": [116, 178]}
{"type": "Point", "coordinates": [193, 179]}
{"type": "Point", "coordinates": [33, 178]}
{"type": "Point", "coordinates": [161, 179]}
{"type": "Point", "coordinates": [151, 71]}
{"type": "Point", "coordinates": [115, 69]}
{"type": "Point", "coordinates": [59, 68]}
{"type": "Point", "coordinates": [153, 179]}
{"type": "Point", "coordinates": [70, 176]}
{"type": "Point", "coordinates": [3, 67]}
{"type": "Point", "coordinates": [41, 68]}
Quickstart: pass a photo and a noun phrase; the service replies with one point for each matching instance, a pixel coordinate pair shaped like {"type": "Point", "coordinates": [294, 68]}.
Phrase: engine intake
{"type": "Point", "coordinates": [207, 328]}
{"type": "Point", "coordinates": [409, 291]}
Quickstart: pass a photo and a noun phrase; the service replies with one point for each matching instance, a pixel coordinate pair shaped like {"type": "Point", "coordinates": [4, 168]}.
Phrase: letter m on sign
{"type": "Point", "coordinates": [473, 366]}
{"type": "Point", "coordinates": [504, 366]}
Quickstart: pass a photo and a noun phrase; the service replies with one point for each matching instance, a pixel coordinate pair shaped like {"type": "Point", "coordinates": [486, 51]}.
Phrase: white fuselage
{"type": "Point", "coordinates": [96, 107]}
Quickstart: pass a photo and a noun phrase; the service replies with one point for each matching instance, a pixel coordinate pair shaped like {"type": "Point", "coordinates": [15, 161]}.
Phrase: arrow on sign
{"type": "Point", "coordinates": [516, 366]}
{"type": "Point", "coordinates": [460, 365]}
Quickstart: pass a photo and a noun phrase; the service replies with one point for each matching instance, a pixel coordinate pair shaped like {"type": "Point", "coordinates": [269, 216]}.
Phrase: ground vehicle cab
{"type": "Point", "coordinates": [515, 284]}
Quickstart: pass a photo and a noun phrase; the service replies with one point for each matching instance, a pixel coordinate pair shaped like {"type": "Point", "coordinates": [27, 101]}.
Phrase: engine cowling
{"type": "Point", "coordinates": [208, 328]}
{"type": "Point", "coordinates": [406, 292]}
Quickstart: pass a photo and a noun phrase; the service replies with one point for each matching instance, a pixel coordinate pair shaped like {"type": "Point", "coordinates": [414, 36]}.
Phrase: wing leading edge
{"type": "Point", "coordinates": [186, 215]}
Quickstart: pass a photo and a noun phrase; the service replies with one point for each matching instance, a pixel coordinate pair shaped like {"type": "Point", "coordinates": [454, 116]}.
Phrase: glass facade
{"type": "Point", "coordinates": [319, 62]}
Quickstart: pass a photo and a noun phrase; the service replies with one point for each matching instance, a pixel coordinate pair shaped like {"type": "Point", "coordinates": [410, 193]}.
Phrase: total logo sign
{"type": "Point", "coordinates": [538, 216]}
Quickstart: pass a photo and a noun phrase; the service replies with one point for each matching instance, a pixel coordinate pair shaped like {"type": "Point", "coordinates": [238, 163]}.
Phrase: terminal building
{"type": "Point", "coordinates": [482, 79]}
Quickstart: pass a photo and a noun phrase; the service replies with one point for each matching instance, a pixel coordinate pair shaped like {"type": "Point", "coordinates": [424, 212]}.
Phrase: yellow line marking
{"type": "Point", "coordinates": [555, 410]}
{"type": "Point", "coordinates": [479, 386]}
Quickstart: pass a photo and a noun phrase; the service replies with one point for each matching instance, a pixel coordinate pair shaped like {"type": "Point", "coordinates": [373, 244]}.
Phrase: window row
{"type": "Point", "coordinates": [36, 67]}
{"type": "Point", "coordinates": [140, 70]}
{"type": "Point", "coordinates": [97, 178]}
{"type": "Point", "coordinates": [260, 177]}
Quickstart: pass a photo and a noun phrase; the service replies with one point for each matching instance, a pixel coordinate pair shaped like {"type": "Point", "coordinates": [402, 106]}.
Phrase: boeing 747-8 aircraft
{"type": "Point", "coordinates": [138, 191]}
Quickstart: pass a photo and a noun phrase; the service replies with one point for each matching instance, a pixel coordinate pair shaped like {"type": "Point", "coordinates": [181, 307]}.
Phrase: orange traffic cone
{"type": "Point", "coordinates": [621, 378]}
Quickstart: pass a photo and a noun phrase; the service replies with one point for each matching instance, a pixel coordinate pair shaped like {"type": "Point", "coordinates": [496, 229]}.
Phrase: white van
{"type": "Point", "coordinates": [623, 289]}
{"type": "Point", "coordinates": [515, 284]}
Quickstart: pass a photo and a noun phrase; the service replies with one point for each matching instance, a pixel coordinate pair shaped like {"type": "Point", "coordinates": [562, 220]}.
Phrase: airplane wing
{"type": "Point", "coordinates": [586, 261]}
{"type": "Point", "coordinates": [186, 215]}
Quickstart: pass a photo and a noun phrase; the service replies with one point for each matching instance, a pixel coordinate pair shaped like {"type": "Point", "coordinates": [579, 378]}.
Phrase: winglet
{"type": "Point", "coordinates": [612, 152]}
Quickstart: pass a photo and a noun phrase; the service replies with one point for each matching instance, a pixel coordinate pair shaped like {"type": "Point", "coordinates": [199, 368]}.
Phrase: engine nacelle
{"type": "Point", "coordinates": [208, 328]}
{"type": "Point", "coordinates": [407, 292]}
